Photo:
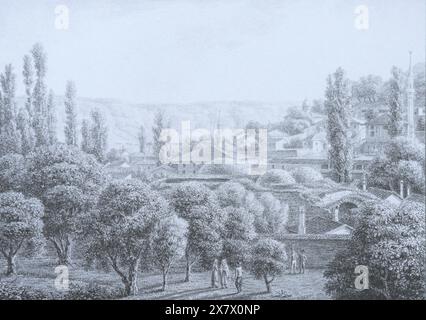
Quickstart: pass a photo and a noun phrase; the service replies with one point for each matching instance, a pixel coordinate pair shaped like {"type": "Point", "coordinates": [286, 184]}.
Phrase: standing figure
{"type": "Point", "coordinates": [293, 260]}
{"type": "Point", "coordinates": [224, 274]}
{"type": "Point", "coordinates": [215, 274]}
{"type": "Point", "coordinates": [239, 277]}
{"type": "Point", "coordinates": [302, 261]}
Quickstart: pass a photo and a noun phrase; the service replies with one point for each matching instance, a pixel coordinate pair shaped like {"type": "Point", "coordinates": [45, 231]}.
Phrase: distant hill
{"type": "Point", "coordinates": [124, 119]}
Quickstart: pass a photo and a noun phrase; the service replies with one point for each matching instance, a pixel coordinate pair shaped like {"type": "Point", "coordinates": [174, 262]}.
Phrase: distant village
{"type": "Point", "coordinates": [318, 212]}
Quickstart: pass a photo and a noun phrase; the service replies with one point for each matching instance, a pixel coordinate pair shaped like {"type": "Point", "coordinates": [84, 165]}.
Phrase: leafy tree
{"type": "Point", "coordinates": [169, 244]}
{"type": "Point", "coordinates": [231, 194]}
{"type": "Point", "coordinates": [276, 176]}
{"type": "Point", "coordinates": [238, 233]}
{"type": "Point", "coordinates": [367, 89]}
{"type": "Point", "coordinates": [10, 139]}
{"type": "Point", "coordinates": [389, 241]}
{"type": "Point", "coordinates": [338, 108]}
{"type": "Point", "coordinates": [122, 228]}
{"type": "Point", "coordinates": [39, 99]}
{"type": "Point", "coordinates": [71, 116]}
{"type": "Point", "coordinates": [273, 218]}
{"type": "Point", "coordinates": [142, 139]}
{"type": "Point", "coordinates": [23, 124]}
{"type": "Point", "coordinates": [403, 159]}
{"type": "Point", "coordinates": [28, 74]}
{"type": "Point", "coordinates": [86, 144]}
{"type": "Point", "coordinates": [269, 260]}
{"type": "Point", "coordinates": [20, 226]}
{"type": "Point", "coordinates": [205, 235]}
{"type": "Point", "coordinates": [98, 135]}
{"type": "Point", "coordinates": [13, 173]}
{"type": "Point", "coordinates": [51, 118]}
{"type": "Point", "coordinates": [395, 102]}
{"type": "Point", "coordinates": [68, 182]}
{"type": "Point", "coordinates": [185, 196]}
{"type": "Point", "coordinates": [198, 206]}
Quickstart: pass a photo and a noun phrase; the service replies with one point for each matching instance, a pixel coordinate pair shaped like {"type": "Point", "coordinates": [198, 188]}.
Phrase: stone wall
{"type": "Point", "coordinates": [319, 249]}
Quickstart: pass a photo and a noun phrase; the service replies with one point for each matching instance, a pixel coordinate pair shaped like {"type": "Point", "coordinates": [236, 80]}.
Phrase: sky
{"type": "Point", "coordinates": [182, 51]}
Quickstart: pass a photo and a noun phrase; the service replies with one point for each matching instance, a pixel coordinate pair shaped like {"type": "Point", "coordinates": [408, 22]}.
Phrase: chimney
{"type": "Point", "coordinates": [336, 214]}
{"type": "Point", "coordinates": [302, 226]}
{"type": "Point", "coordinates": [364, 183]}
{"type": "Point", "coordinates": [408, 190]}
{"type": "Point", "coordinates": [401, 189]}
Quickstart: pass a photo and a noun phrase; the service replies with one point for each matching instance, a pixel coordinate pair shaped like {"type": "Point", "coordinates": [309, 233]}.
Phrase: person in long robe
{"type": "Point", "coordinates": [215, 274]}
{"type": "Point", "coordinates": [224, 273]}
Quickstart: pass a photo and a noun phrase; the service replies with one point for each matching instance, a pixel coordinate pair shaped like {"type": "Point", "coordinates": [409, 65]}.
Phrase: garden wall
{"type": "Point", "coordinates": [319, 249]}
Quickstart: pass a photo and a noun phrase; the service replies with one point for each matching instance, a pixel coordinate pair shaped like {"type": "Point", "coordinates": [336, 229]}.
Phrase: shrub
{"type": "Point", "coordinates": [276, 176]}
{"type": "Point", "coordinates": [93, 291]}
{"type": "Point", "coordinates": [10, 291]}
{"type": "Point", "coordinates": [306, 174]}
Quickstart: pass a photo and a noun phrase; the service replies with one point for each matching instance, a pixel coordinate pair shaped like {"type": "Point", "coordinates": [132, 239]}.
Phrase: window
{"type": "Point", "coordinates": [273, 166]}
{"type": "Point", "coordinates": [183, 172]}
{"type": "Point", "coordinates": [372, 131]}
{"type": "Point", "coordinates": [324, 166]}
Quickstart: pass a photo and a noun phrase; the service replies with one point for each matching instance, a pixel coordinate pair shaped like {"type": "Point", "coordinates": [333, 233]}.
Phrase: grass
{"type": "Point", "coordinates": [40, 274]}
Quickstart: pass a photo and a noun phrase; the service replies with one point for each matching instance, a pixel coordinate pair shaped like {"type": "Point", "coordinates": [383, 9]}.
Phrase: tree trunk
{"type": "Point", "coordinates": [164, 280]}
{"type": "Point", "coordinates": [133, 281]}
{"type": "Point", "coordinates": [63, 249]}
{"type": "Point", "coordinates": [188, 270]}
{"type": "Point", "coordinates": [11, 265]}
{"type": "Point", "coordinates": [267, 283]}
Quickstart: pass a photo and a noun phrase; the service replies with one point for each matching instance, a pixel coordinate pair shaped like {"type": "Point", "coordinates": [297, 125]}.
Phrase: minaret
{"type": "Point", "coordinates": [410, 102]}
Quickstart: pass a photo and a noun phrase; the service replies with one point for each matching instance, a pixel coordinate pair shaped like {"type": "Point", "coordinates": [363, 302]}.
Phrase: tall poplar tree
{"type": "Point", "coordinates": [70, 114]}
{"type": "Point", "coordinates": [338, 109]}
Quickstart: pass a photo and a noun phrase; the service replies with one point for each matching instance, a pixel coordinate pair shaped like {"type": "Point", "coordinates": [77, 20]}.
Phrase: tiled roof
{"type": "Point", "coordinates": [382, 193]}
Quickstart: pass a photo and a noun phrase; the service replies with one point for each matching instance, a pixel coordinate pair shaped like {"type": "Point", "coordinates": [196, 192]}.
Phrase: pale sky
{"type": "Point", "coordinates": [157, 51]}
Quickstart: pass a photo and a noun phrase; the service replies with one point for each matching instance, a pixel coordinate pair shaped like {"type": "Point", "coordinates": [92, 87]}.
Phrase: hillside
{"type": "Point", "coordinates": [124, 119]}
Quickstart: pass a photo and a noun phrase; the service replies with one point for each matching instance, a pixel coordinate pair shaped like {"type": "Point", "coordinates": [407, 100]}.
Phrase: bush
{"type": "Point", "coordinates": [276, 176]}
{"type": "Point", "coordinates": [93, 291]}
{"type": "Point", "coordinates": [306, 174]}
{"type": "Point", "coordinates": [10, 291]}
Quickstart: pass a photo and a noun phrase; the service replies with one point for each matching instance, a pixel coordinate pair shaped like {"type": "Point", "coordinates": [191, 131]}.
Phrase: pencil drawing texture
{"type": "Point", "coordinates": [212, 150]}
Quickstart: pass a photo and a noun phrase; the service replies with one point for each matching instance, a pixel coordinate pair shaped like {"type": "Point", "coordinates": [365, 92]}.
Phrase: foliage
{"type": "Point", "coordinates": [10, 291]}
{"type": "Point", "coordinates": [276, 176]}
{"type": "Point", "coordinates": [403, 159]}
{"type": "Point", "coordinates": [395, 103]}
{"type": "Point", "coordinates": [273, 218]}
{"type": "Point", "coordinates": [390, 242]}
{"type": "Point", "coordinates": [268, 261]}
{"type": "Point", "coordinates": [338, 127]}
{"type": "Point", "coordinates": [120, 231]}
{"type": "Point", "coordinates": [306, 175]}
{"type": "Point", "coordinates": [71, 116]}
{"type": "Point", "coordinates": [169, 243]}
{"type": "Point", "coordinates": [13, 173]}
{"type": "Point", "coordinates": [20, 226]}
{"type": "Point", "coordinates": [67, 181]}
{"type": "Point", "coordinates": [92, 291]}
{"type": "Point", "coordinates": [185, 196]}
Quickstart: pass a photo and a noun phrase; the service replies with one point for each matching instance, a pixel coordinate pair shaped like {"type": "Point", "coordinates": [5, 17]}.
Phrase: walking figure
{"type": "Point", "coordinates": [215, 274]}
{"type": "Point", "coordinates": [293, 260]}
{"type": "Point", "coordinates": [302, 261]}
{"type": "Point", "coordinates": [224, 274]}
{"type": "Point", "coordinates": [239, 277]}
